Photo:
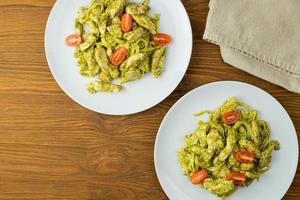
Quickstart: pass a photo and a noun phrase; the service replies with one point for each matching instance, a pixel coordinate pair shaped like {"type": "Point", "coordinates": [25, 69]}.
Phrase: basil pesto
{"type": "Point", "coordinates": [99, 24]}
{"type": "Point", "coordinates": [231, 152]}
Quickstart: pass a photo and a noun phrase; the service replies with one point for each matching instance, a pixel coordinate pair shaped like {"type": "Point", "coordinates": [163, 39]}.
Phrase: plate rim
{"type": "Point", "coordinates": [75, 99]}
{"type": "Point", "coordinates": [215, 83]}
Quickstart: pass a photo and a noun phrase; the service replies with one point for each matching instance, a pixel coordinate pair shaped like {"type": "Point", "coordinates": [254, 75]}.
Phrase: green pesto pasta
{"type": "Point", "coordinates": [99, 25]}
{"type": "Point", "coordinates": [228, 151]}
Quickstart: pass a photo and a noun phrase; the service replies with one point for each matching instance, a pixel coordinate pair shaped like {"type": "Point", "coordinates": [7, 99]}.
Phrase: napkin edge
{"type": "Point", "coordinates": [247, 51]}
{"type": "Point", "coordinates": [259, 69]}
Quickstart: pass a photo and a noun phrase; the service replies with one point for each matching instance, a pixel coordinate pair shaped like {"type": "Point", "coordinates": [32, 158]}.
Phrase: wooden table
{"type": "Point", "coordinates": [52, 148]}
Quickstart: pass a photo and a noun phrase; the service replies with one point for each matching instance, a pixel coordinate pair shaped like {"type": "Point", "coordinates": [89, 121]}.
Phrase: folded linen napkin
{"type": "Point", "coordinates": [261, 37]}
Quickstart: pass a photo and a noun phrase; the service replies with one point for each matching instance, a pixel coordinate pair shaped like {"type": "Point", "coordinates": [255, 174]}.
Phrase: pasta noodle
{"type": "Point", "coordinates": [100, 26]}
{"type": "Point", "coordinates": [214, 147]}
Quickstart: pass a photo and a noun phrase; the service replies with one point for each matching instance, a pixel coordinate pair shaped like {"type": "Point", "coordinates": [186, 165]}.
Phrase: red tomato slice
{"type": "Point", "coordinates": [230, 117]}
{"type": "Point", "coordinates": [74, 40]}
{"type": "Point", "coordinates": [126, 23]}
{"type": "Point", "coordinates": [244, 156]}
{"type": "Point", "coordinates": [118, 56]}
{"type": "Point", "coordinates": [199, 176]}
{"type": "Point", "coordinates": [237, 177]}
{"type": "Point", "coordinates": [162, 39]}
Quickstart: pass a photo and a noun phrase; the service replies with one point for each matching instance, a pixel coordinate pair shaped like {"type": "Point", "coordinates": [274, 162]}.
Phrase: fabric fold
{"type": "Point", "coordinates": [260, 37]}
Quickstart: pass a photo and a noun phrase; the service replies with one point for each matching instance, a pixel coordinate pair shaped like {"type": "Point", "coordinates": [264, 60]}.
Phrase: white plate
{"type": "Point", "coordinates": [180, 120]}
{"type": "Point", "coordinates": [137, 96]}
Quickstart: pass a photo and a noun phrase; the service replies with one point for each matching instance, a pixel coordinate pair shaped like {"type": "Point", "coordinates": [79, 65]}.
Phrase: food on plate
{"type": "Point", "coordinates": [117, 40]}
{"type": "Point", "coordinates": [228, 151]}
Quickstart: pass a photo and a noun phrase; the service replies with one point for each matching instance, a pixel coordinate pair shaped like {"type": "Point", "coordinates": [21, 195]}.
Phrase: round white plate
{"type": "Point", "coordinates": [138, 95]}
{"type": "Point", "coordinates": [180, 121]}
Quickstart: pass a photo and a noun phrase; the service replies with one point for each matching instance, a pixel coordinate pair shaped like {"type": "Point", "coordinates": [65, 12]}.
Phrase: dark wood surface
{"type": "Point", "coordinates": [52, 148]}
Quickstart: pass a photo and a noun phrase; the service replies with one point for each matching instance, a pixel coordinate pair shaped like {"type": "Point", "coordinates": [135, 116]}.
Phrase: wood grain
{"type": "Point", "coordinates": [52, 148]}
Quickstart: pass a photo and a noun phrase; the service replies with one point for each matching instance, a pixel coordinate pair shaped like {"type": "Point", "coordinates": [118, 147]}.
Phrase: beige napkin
{"type": "Point", "coordinates": [261, 37]}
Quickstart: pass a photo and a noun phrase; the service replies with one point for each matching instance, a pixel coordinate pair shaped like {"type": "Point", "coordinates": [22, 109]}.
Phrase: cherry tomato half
{"type": "Point", "coordinates": [199, 176]}
{"type": "Point", "coordinates": [237, 177]}
{"type": "Point", "coordinates": [230, 117]}
{"type": "Point", "coordinates": [162, 39]}
{"type": "Point", "coordinates": [244, 156]}
{"type": "Point", "coordinates": [73, 40]}
{"type": "Point", "coordinates": [118, 56]}
{"type": "Point", "coordinates": [126, 23]}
